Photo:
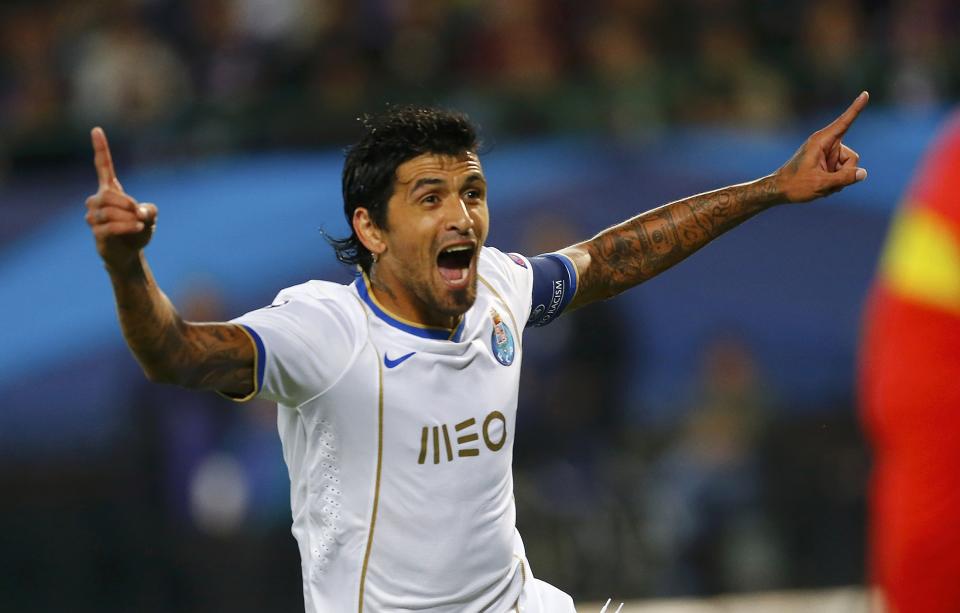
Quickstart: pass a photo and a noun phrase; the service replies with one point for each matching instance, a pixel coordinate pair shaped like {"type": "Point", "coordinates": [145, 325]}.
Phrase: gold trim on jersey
{"type": "Point", "coordinates": [256, 371]}
{"type": "Point", "coordinates": [506, 305]}
{"type": "Point", "coordinates": [453, 332]}
{"type": "Point", "coordinates": [376, 490]}
{"type": "Point", "coordinates": [373, 297]}
{"type": "Point", "coordinates": [523, 582]}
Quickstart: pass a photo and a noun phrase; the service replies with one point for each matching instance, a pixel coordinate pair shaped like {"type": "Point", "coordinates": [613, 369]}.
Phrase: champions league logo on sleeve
{"type": "Point", "coordinates": [517, 259]}
{"type": "Point", "coordinates": [501, 340]}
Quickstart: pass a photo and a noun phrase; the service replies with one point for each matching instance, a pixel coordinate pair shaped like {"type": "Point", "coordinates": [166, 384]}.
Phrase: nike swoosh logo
{"type": "Point", "coordinates": [394, 363]}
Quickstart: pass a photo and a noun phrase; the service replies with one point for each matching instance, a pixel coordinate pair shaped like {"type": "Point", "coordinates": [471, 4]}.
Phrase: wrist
{"type": "Point", "coordinates": [771, 190]}
{"type": "Point", "coordinates": [125, 269]}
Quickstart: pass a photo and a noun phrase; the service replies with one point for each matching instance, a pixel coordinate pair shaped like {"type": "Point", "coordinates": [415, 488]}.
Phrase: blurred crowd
{"type": "Point", "coordinates": [172, 77]}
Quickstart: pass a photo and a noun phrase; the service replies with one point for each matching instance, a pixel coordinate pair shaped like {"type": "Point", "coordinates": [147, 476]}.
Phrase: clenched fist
{"type": "Point", "coordinates": [121, 226]}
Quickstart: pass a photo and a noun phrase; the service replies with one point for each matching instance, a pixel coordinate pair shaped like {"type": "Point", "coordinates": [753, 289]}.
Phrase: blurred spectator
{"type": "Point", "coordinates": [32, 114]}
{"type": "Point", "coordinates": [625, 90]}
{"type": "Point", "coordinates": [922, 64]}
{"type": "Point", "coordinates": [706, 517]}
{"type": "Point", "coordinates": [515, 66]}
{"type": "Point", "coordinates": [123, 74]}
{"type": "Point", "coordinates": [731, 82]}
{"type": "Point", "coordinates": [835, 57]}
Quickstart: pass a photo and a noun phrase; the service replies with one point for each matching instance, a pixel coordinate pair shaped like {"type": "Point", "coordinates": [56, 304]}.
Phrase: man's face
{"type": "Point", "coordinates": [436, 222]}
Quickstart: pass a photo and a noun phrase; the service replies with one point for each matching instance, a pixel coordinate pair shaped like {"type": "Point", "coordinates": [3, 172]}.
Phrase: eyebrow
{"type": "Point", "coordinates": [474, 177]}
{"type": "Point", "coordinates": [426, 181]}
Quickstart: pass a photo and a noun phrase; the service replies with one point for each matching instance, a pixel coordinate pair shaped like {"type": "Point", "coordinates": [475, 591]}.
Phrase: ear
{"type": "Point", "coordinates": [368, 232]}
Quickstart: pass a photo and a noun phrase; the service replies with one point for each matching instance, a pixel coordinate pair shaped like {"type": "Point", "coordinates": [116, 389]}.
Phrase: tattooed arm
{"type": "Point", "coordinates": [198, 355]}
{"type": "Point", "coordinates": [642, 247]}
{"type": "Point", "coordinates": [212, 356]}
{"type": "Point", "coordinates": [632, 252]}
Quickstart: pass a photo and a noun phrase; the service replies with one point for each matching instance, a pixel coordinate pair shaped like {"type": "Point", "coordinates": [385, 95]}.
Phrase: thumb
{"type": "Point", "coordinates": [147, 212]}
{"type": "Point", "coordinates": [847, 176]}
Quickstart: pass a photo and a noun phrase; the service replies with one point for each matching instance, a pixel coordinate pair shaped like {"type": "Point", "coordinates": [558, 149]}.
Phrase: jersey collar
{"type": "Point", "coordinates": [362, 285]}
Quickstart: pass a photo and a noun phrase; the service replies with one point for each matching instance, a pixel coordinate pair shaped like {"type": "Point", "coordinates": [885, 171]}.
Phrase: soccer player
{"type": "Point", "coordinates": [910, 392]}
{"type": "Point", "coordinates": [397, 393]}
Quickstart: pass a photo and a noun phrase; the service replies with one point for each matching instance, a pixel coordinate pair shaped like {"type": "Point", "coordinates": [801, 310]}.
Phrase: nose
{"type": "Point", "coordinates": [458, 216]}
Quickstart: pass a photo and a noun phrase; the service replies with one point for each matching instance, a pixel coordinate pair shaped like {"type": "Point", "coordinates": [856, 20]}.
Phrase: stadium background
{"type": "Point", "coordinates": [695, 437]}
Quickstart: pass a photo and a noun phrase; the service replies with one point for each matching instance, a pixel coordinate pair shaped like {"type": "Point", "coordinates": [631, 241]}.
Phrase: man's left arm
{"type": "Point", "coordinates": [642, 247]}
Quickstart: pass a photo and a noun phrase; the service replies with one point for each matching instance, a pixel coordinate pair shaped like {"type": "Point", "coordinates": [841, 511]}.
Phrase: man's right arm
{"type": "Point", "coordinates": [210, 356]}
{"type": "Point", "coordinates": [213, 356]}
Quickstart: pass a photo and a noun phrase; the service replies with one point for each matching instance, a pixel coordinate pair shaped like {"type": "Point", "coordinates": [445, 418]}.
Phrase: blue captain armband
{"type": "Point", "coordinates": [554, 286]}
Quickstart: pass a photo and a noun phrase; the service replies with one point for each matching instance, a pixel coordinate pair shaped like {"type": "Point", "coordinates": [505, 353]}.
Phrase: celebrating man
{"type": "Point", "coordinates": [397, 394]}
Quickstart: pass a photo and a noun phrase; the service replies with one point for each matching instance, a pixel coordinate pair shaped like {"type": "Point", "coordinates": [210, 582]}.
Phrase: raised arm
{"type": "Point", "coordinates": [642, 247]}
{"type": "Point", "coordinates": [215, 356]}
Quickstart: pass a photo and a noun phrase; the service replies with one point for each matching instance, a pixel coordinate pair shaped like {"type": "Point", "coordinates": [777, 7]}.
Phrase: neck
{"type": "Point", "coordinates": [404, 305]}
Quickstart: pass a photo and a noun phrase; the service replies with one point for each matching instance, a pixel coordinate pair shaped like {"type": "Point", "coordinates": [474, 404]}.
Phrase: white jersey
{"type": "Point", "coordinates": [399, 439]}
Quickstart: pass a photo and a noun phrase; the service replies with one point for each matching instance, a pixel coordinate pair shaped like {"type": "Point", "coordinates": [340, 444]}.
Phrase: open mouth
{"type": "Point", "coordinates": [454, 263]}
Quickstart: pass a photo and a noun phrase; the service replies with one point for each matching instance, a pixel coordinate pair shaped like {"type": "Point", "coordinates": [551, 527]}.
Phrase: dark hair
{"type": "Point", "coordinates": [388, 140]}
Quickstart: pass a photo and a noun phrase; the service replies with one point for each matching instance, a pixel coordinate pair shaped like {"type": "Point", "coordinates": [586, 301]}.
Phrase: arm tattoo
{"type": "Point", "coordinates": [214, 356]}
{"type": "Point", "coordinates": [642, 247]}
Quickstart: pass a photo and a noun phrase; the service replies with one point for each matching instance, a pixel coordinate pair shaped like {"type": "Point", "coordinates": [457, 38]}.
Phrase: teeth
{"type": "Point", "coordinates": [457, 248]}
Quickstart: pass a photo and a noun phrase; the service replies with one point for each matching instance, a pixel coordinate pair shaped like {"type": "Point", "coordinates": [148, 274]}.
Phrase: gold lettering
{"type": "Point", "coordinates": [486, 431]}
{"type": "Point", "coordinates": [423, 445]}
{"type": "Point", "coordinates": [489, 435]}
{"type": "Point", "coordinates": [446, 442]}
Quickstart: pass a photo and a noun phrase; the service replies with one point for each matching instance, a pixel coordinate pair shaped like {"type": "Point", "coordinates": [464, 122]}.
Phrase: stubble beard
{"type": "Point", "coordinates": [459, 301]}
{"type": "Point", "coordinates": [449, 303]}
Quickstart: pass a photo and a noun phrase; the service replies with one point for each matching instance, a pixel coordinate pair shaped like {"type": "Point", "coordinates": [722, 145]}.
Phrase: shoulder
{"type": "Point", "coordinates": [509, 277]}
{"type": "Point", "coordinates": [315, 304]}
{"type": "Point", "coordinates": [316, 290]}
{"type": "Point", "coordinates": [326, 292]}
{"type": "Point", "coordinates": [503, 268]}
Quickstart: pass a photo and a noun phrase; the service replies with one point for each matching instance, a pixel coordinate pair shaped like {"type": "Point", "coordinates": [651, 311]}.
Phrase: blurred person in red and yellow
{"type": "Point", "coordinates": [910, 392]}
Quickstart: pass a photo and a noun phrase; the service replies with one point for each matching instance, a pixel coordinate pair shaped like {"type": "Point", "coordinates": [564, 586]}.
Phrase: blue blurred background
{"type": "Point", "coordinates": [695, 436]}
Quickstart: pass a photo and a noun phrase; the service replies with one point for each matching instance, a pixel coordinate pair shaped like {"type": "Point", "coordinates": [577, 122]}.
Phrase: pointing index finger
{"type": "Point", "coordinates": [841, 124]}
{"type": "Point", "coordinates": [102, 160]}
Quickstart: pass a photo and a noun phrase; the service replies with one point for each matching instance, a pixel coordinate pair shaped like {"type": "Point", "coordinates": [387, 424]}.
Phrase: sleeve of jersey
{"type": "Point", "coordinates": [304, 344]}
{"type": "Point", "coordinates": [554, 286]}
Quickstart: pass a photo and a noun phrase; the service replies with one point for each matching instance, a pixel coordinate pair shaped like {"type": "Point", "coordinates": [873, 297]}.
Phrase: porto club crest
{"type": "Point", "coordinates": [501, 340]}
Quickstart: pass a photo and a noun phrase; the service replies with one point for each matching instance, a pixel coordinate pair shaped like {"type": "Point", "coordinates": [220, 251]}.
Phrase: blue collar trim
{"type": "Point", "coordinates": [437, 334]}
